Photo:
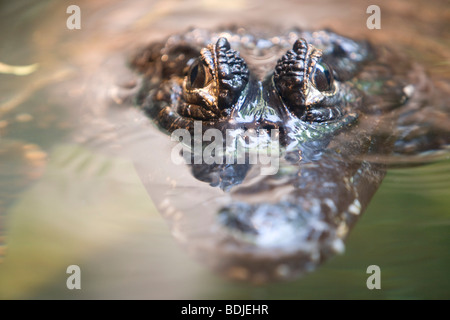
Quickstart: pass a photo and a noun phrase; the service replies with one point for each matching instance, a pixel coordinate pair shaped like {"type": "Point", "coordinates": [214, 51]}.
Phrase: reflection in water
{"type": "Point", "coordinates": [89, 208]}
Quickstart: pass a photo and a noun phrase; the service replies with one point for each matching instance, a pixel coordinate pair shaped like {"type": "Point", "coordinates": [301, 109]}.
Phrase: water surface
{"type": "Point", "coordinates": [71, 195]}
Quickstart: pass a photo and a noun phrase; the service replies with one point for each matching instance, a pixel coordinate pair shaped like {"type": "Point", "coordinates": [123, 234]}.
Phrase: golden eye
{"type": "Point", "coordinates": [323, 77]}
{"type": "Point", "coordinates": [199, 75]}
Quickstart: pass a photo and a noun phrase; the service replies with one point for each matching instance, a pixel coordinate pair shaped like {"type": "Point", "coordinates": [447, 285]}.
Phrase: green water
{"type": "Point", "coordinates": [94, 212]}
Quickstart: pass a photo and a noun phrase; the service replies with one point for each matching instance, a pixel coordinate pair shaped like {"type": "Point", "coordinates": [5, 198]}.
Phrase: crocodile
{"type": "Point", "coordinates": [337, 108]}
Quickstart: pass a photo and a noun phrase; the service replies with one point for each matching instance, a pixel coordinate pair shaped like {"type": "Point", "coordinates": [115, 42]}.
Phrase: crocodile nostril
{"type": "Point", "coordinates": [270, 125]}
{"type": "Point", "coordinates": [275, 130]}
{"type": "Point", "coordinates": [266, 125]}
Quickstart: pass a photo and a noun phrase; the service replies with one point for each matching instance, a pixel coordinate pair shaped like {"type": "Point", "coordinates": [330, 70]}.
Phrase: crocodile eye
{"type": "Point", "coordinates": [199, 75]}
{"type": "Point", "coordinates": [213, 83]}
{"type": "Point", "coordinates": [322, 77]}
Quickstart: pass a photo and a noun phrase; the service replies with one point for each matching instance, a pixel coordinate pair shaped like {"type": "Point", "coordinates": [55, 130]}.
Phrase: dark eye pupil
{"type": "Point", "coordinates": [197, 75]}
{"type": "Point", "coordinates": [323, 77]}
{"type": "Point", "coordinates": [194, 72]}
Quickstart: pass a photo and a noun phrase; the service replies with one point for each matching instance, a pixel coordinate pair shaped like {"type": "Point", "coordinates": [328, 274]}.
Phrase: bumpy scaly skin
{"type": "Point", "coordinates": [326, 94]}
{"type": "Point", "coordinates": [239, 99]}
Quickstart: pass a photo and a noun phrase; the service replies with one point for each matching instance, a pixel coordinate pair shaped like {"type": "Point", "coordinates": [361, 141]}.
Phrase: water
{"type": "Point", "coordinates": [74, 197]}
